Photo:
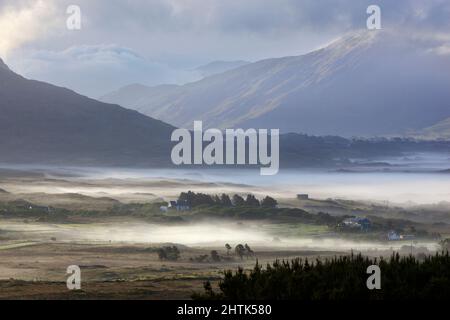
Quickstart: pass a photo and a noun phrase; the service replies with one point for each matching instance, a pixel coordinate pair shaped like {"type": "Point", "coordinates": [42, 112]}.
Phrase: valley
{"type": "Point", "coordinates": [110, 223]}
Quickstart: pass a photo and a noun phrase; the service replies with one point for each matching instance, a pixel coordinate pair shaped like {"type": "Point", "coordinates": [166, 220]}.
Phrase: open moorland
{"type": "Point", "coordinates": [129, 242]}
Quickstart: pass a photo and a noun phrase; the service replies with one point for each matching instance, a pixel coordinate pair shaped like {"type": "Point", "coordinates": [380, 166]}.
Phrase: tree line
{"type": "Point", "coordinates": [196, 199]}
{"type": "Point", "coordinates": [340, 278]}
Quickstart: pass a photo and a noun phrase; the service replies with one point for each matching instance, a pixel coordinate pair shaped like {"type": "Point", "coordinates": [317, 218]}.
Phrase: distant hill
{"type": "Point", "coordinates": [300, 150]}
{"type": "Point", "coordinates": [42, 123]}
{"type": "Point", "coordinates": [364, 84]}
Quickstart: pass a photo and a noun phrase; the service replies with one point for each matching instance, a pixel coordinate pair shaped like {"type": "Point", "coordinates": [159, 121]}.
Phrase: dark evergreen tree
{"type": "Point", "coordinates": [238, 201]}
{"type": "Point", "coordinates": [269, 202]}
{"type": "Point", "coordinates": [240, 250]}
{"type": "Point", "coordinates": [339, 278]}
{"type": "Point", "coordinates": [228, 247]}
{"type": "Point", "coordinates": [225, 200]}
{"type": "Point", "coordinates": [217, 200]}
{"type": "Point", "coordinates": [251, 201]}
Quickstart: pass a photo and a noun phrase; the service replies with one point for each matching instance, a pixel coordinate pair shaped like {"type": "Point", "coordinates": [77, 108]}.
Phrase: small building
{"type": "Point", "coordinates": [179, 205]}
{"type": "Point", "coordinates": [365, 224]}
{"type": "Point", "coordinates": [302, 196]}
{"type": "Point", "coordinates": [393, 236]}
{"type": "Point", "coordinates": [356, 223]}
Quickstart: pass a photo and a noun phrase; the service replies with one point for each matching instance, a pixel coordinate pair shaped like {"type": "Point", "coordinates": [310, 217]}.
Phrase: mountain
{"type": "Point", "coordinates": [440, 130]}
{"type": "Point", "coordinates": [216, 67]}
{"type": "Point", "coordinates": [3, 66]}
{"type": "Point", "coordinates": [136, 96]}
{"type": "Point", "coordinates": [366, 83]}
{"type": "Point", "coordinates": [42, 123]}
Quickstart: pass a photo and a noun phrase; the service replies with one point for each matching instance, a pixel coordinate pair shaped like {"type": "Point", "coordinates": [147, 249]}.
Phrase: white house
{"type": "Point", "coordinates": [393, 236]}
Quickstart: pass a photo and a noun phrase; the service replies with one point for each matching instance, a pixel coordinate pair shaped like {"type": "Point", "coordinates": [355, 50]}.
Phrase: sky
{"type": "Point", "coordinates": [162, 41]}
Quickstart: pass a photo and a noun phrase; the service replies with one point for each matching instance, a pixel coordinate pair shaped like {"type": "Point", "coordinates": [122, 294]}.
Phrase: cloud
{"type": "Point", "coordinates": [166, 37]}
{"type": "Point", "coordinates": [442, 50]}
{"type": "Point", "coordinates": [142, 22]}
{"type": "Point", "coordinates": [95, 69]}
{"type": "Point", "coordinates": [261, 18]}
{"type": "Point", "coordinates": [103, 54]}
{"type": "Point", "coordinates": [23, 22]}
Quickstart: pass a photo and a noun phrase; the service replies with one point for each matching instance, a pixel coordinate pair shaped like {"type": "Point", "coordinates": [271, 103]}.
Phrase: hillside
{"type": "Point", "coordinates": [440, 130]}
{"type": "Point", "coordinates": [216, 67]}
{"type": "Point", "coordinates": [42, 123]}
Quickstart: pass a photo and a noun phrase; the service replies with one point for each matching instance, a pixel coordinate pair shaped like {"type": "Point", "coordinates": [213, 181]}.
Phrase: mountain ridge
{"type": "Point", "coordinates": [342, 89]}
{"type": "Point", "coordinates": [48, 125]}
{"type": "Point", "coordinates": [3, 65]}
{"type": "Point", "coordinates": [440, 130]}
{"type": "Point", "coordinates": [218, 66]}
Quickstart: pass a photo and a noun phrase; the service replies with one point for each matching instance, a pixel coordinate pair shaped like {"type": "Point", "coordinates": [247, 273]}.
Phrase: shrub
{"type": "Point", "coordinates": [340, 278]}
{"type": "Point", "coordinates": [169, 253]}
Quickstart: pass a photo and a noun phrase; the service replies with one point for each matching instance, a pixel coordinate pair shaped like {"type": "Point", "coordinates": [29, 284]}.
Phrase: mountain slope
{"type": "Point", "coordinates": [136, 96]}
{"type": "Point", "coordinates": [440, 130]}
{"type": "Point", "coordinates": [3, 66]}
{"type": "Point", "coordinates": [367, 83]}
{"type": "Point", "coordinates": [216, 67]}
{"type": "Point", "coordinates": [42, 123]}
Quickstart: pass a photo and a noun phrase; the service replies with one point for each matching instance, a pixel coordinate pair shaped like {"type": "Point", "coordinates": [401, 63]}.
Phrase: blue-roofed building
{"type": "Point", "coordinates": [179, 205]}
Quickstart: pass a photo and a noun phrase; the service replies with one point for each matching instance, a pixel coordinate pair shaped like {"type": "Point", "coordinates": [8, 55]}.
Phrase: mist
{"type": "Point", "coordinates": [203, 234]}
{"type": "Point", "coordinates": [410, 183]}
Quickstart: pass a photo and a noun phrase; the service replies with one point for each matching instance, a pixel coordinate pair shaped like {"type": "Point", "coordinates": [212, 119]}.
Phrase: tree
{"type": "Point", "coordinates": [239, 250]}
{"type": "Point", "coordinates": [217, 200]}
{"type": "Point", "coordinates": [195, 199]}
{"type": "Point", "coordinates": [249, 252]}
{"type": "Point", "coordinates": [269, 202]}
{"type": "Point", "coordinates": [339, 278]}
{"type": "Point", "coordinates": [215, 256]}
{"type": "Point", "coordinates": [251, 201]}
{"type": "Point", "coordinates": [238, 201]}
{"type": "Point", "coordinates": [445, 244]}
{"type": "Point", "coordinates": [225, 200]}
{"type": "Point", "coordinates": [169, 253]}
{"type": "Point", "coordinates": [228, 247]}
{"type": "Point", "coordinates": [187, 197]}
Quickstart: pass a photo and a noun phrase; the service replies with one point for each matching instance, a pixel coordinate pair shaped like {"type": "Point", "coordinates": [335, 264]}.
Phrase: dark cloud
{"type": "Point", "coordinates": [167, 37]}
{"type": "Point", "coordinates": [261, 17]}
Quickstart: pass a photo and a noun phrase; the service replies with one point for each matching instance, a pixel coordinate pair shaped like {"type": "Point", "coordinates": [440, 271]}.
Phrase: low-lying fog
{"type": "Point", "coordinates": [414, 180]}
{"type": "Point", "coordinates": [196, 235]}
{"type": "Point", "coordinates": [400, 187]}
